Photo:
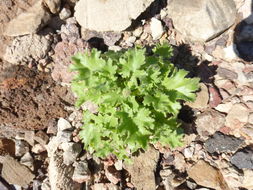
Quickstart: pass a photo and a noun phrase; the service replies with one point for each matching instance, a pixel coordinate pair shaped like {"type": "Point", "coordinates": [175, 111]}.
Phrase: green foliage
{"type": "Point", "coordinates": [138, 97]}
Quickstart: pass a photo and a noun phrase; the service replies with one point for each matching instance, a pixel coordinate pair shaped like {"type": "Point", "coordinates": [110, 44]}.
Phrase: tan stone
{"type": "Point", "coordinates": [28, 22]}
{"type": "Point", "coordinates": [53, 5]}
{"type": "Point", "coordinates": [15, 173]}
{"type": "Point", "coordinates": [202, 98]}
{"type": "Point", "coordinates": [142, 169]}
{"type": "Point", "coordinates": [208, 176]}
{"type": "Point", "coordinates": [237, 116]}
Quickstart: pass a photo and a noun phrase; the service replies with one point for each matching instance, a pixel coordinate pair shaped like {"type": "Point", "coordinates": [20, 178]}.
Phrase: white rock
{"type": "Point", "coordinates": [230, 53]}
{"type": "Point", "coordinates": [246, 10]}
{"type": "Point", "coordinates": [109, 15]}
{"type": "Point", "coordinates": [188, 152]}
{"type": "Point", "coordinates": [202, 20]}
{"type": "Point", "coordinates": [63, 124]}
{"type": "Point", "coordinates": [65, 13]}
{"type": "Point", "coordinates": [156, 28]}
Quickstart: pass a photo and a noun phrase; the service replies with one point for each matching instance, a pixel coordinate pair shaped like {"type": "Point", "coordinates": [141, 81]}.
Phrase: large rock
{"type": "Point", "coordinates": [109, 15]}
{"type": "Point", "coordinates": [28, 22]}
{"type": "Point", "coordinates": [202, 20]}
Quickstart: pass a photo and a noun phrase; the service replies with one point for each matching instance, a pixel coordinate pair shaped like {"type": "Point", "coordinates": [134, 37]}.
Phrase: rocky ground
{"type": "Point", "coordinates": [39, 144]}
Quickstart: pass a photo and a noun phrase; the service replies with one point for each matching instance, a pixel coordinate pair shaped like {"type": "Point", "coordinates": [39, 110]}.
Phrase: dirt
{"type": "Point", "coordinates": [30, 99]}
{"type": "Point", "coordinates": [9, 9]}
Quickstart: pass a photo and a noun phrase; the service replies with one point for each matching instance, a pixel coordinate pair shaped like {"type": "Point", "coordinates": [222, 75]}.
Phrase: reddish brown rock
{"type": "Point", "coordinates": [215, 98]}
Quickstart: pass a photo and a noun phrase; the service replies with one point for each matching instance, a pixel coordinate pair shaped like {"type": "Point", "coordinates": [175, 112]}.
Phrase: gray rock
{"type": "Point", "coordinates": [222, 143]}
{"type": "Point", "coordinates": [28, 22]}
{"type": "Point", "coordinates": [243, 159]}
{"type": "Point", "coordinates": [112, 15]}
{"type": "Point", "coordinates": [81, 172]}
{"type": "Point", "coordinates": [71, 152]}
{"type": "Point", "coordinates": [202, 20]}
{"type": "Point", "coordinates": [3, 186]}
{"type": "Point", "coordinates": [36, 185]}
{"type": "Point", "coordinates": [27, 160]}
{"type": "Point", "coordinates": [28, 48]}
{"type": "Point", "coordinates": [21, 147]}
{"type": "Point", "coordinates": [227, 74]}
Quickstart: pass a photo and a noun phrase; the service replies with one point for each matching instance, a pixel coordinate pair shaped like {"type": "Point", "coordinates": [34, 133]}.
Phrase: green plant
{"type": "Point", "coordinates": [138, 97]}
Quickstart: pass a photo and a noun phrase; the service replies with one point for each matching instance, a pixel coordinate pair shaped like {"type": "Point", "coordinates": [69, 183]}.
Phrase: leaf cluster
{"type": "Point", "coordinates": [138, 96]}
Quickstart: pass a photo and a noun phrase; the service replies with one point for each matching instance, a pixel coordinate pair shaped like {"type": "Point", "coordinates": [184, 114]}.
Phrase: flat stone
{"type": "Point", "coordinates": [28, 22]}
{"type": "Point", "coordinates": [208, 122]}
{"type": "Point", "coordinates": [109, 15]}
{"type": "Point", "coordinates": [224, 108]}
{"type": "Point", "coordinates": [222, 143]}
{"type": "Point", "coordinates": [243, 159]}
{"type": "Point", "coordinates": [142, 170]}
{"type": "Point", "coordinates": [237, 116]}
{"type": "Point", "coordinates": [15, 173]}
{"type": "Point", "coordinates": [202, 20]}
{"type": "Point", "coordinates": [208, 176]}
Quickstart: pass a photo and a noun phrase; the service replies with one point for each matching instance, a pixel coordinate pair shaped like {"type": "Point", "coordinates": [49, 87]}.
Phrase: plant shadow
{"type": "Point", "coordinates": [243, 38]}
